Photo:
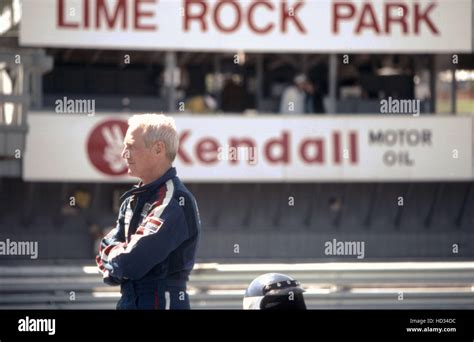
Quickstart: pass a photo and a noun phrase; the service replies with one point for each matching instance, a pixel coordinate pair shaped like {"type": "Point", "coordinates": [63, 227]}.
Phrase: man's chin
{"type": "Point", "coordinates": [131, 173]}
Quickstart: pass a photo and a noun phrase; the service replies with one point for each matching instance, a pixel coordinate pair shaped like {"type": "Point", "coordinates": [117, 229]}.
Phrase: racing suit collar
{"type": "Point", "coordinates": [140, 188]}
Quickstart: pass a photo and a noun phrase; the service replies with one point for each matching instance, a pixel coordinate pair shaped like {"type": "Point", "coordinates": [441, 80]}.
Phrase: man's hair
{"type": "Point", "coordinates": [157, 127]}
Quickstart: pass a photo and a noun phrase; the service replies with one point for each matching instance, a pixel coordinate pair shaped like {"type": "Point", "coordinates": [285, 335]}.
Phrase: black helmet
{"type": "Point", "coordinates": [274, 291]}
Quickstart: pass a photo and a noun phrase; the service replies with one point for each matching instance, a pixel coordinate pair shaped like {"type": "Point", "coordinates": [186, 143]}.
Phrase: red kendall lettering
{"type": "Point", "coordinates": [276, 150]}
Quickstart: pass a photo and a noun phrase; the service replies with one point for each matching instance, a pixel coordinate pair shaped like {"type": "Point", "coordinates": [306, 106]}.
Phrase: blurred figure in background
{"type": "Point", "coordinates": [233, 95]}
{"type": "Point", "coordinates": [297, 98]}
{"type": "Point", "coordinates": [201, 104]}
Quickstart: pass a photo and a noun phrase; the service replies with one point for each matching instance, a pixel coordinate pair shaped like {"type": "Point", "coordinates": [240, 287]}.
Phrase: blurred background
{"type": "Point", "coordinates": [360, 117]}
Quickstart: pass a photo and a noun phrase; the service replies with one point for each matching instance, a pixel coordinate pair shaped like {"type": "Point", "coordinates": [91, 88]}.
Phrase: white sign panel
{"type": "Point", "coordinates": [260, 149]}
{"type": "Point", "coordinates": [248, 25]}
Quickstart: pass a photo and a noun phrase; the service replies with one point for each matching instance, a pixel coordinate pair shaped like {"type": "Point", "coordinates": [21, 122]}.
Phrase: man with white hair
{"type": "Point", "coordinates": [151, 252]}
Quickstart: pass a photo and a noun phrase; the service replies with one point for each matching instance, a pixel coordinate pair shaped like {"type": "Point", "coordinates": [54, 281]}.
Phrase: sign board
{"type": "Point", "coordinates": [247, 25]}
{"type": "Point", "coordinates": [69, 147]}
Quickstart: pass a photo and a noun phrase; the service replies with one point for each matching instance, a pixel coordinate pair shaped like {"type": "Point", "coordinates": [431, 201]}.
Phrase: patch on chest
{"type": "Point", "coordinates": [152, 225]}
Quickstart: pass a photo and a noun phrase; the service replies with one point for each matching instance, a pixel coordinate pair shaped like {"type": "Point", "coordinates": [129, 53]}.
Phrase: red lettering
{"type": "Point", "coordinates": [102, 7]}
{"type": "Point", "coordinates": [252, 25]}
{"type": "Point", "coordinates": [276, 150]}
{"type": "Point", "coordinates": [283, 142]}
{"type": "Point", "coordinates": [60, 17]}
{"type": "Point", "coordinates": [200, 17]}
{"type": "Point", "coordinates": [111, 14]}
{"type": "Point", "coordinates": [398, 14]}
{"type": "Point", "coordinates": [217, 19]}
{"type": "Point", "coordinates": [337, 15]}
{"type": "Point", "coordinates": [287, 16]}
{"type": "Point", "coordinates": [181, 154]}
{"type": "Point", "coordinates": [420, 17]}
{"type": "Point", "coordinates": [142, 14]}
{"type": "Point", "coordinates": [336, 138]}
{"type": "Point", "coordinates": [318, 156]}
{"type": "Point", "coordinates": [395, 18]}
{"type": "Point", "coordinates": [353, 147]}
{"type": "Point", "coordinates": [241, 15]}
{"type": "Point", "coordinates": [367, 13]}
{"type": "Point", "coordinates": [207, 150]}
{"type": "Point", "coordinates": [85, 13]}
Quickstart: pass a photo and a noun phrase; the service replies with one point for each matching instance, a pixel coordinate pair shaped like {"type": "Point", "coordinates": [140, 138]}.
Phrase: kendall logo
{"type": "Point", "coordinates": [37, 325]}
{"type": "Point", "coordinates": [104, 147]}
{"type": "Point", "coordinates": [281, 149]}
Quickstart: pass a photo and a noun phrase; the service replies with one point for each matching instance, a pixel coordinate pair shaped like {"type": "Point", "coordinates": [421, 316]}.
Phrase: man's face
{"type": "Point", "coordinates": [140, 159]}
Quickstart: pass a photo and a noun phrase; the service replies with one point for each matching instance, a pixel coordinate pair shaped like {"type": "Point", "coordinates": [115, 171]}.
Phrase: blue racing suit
{"type": "Point", "coordinates": [152, 250]}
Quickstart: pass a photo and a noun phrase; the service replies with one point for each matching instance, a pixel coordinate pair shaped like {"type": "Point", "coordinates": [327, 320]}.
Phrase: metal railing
{"type": "Point", "coordinates": [388, 285]}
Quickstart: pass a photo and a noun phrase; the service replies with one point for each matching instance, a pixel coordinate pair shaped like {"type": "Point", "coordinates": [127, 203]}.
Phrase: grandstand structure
{"type": "Point", "coordinates": [435, 216]}
{"type": "Point", "coordinates": [406, 202]}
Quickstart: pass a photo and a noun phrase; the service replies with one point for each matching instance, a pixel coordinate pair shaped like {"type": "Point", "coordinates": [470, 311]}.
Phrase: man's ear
{"type": "Point", "coordinates": [159, 146]}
